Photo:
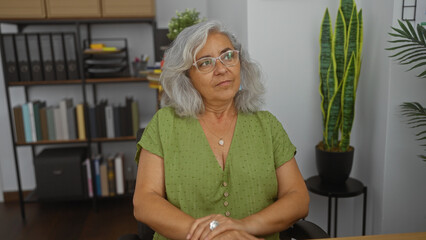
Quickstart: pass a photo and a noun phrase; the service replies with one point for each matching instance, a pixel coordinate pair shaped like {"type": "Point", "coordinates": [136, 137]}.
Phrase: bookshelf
{"type": "Point", "coordinates": [84, 82]}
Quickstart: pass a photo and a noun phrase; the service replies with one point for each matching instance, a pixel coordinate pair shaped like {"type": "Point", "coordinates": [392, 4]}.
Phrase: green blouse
{"type": "Point", "coordinates": [196, 184]}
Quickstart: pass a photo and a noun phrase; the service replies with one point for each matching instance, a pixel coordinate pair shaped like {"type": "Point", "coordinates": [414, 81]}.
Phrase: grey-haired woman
{"type": "Point", "coordinates": [211, 164]}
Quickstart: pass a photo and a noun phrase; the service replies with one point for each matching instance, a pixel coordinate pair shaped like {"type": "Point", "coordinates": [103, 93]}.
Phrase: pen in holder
{"type": "Point", "coordinates": [138, 66]}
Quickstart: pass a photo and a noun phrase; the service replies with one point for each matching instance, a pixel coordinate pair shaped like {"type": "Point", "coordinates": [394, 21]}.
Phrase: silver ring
{"type": "Point", "coordinates": [213, 225]}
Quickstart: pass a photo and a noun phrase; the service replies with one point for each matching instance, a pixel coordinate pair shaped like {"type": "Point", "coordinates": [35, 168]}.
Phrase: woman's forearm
{"type": "Point", "coordinates": [278, 216]}
{"type": "Point", "coordinates": [162, 216]}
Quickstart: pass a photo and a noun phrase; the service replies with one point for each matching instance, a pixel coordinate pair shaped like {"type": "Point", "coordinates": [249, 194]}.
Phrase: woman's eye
{"type": "Point", "coordinates": [228, 55]}
{"type": "Point", "coordinates": [205, 63]}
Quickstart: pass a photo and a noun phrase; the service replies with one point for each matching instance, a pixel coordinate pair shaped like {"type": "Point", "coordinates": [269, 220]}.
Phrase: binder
{"type": "Point", "coordinates": [59, 56]}
{"type": "Point", "coordinates": [71, 56]}
{"type": "Point", "coordinates": [35, 58]}
{"type": "Point", "coordinates": [11, 71]}
{"type": "Point", "coordinates": [22, 53]}
{"type": "Point", "coordinates": [47, 57]}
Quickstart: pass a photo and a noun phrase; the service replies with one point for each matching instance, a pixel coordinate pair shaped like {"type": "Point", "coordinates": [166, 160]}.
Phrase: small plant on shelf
{"type": "Point", "coordinates": [182, 20]}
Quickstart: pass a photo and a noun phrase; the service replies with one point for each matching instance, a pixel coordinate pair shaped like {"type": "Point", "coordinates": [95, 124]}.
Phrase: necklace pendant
{"type": "Point", "coordinates": [221, 142]}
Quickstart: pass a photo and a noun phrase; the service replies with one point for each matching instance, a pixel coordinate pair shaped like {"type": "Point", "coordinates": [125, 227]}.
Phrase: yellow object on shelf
{"type": "Point", "coordinates": [109, 49]}
{"type": "Point", "coordinates": [97, 45]}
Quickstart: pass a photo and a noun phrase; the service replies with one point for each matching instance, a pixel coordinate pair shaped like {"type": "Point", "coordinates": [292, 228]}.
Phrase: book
{"type": "Point", "coordinates": [72, 127]}
{"type": "Point", "coordinates": [37, 105]}
{"type": "Point", "coordinates": [43, 123]}
{"type": "Point", "coordinates": [27, 123]}
{"type": "Point", "coordinates": [100, 117]}
{"type": "Point", "coordinates": [93, 122]}
{"type": "Point", "coordinates": [117, 126]}
{"type": "Point", "coordinates": [35, 58]}
{"type": "Point", "coordinates": [119, 174]}
{"type": "Point", "coordinates": [58, 123]}
{"type": "Point", "coordinates": [71, 56]}
{"type": "Point", "coordinates": [22, 54]}
{"type": "Point", "coordinates": [128, 117]}
{"type": "Point", "coordinates": [58, 55]}
{"type": "Point", "coordinates": [135, 117]}
{"type": "Point", "coordinates": [19, 124]}
{"type": "Point", "coordinates": [11, 67]}
{"type": "Point", "coordinates": [111, 176]}
{"type": "Point", "coordinates": [32, 121]}
{"type": "Point", "coordinates": [109, 120]}
{"type": "Point", "coordinates": [96, 163]}
{"type": "Point", "coordinates": [81, 126]}
{"type": "Point", "coordinates": [104, 179]}
{"type": "Point", "coordinates": [51, 129]}
{"type": "Point", "coordinates": [64, 105]}
{"type": "Point", "coordinates": [47, 57]}
{"type": "Point", "coordinates": [89, 177]}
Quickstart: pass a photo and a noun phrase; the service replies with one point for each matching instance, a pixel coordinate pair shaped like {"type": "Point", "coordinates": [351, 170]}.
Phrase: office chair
{"type": "Point", "coordinates": [300, 230]}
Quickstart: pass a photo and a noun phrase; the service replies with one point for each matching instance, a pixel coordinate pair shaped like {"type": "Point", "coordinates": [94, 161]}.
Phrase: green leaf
{"type": "Point", "coordinates": [406, 35]}
{"type": "Point", "coordinates": [412, 31]}
{"type": "Point", "coordinates": [403, 46]}
{"type": "Point", "coordinates": [406, 50]}
{"type": "Point", "coordinates": [339, 39]}
{"type": "Point", "coordinates": [417, 65]}
{"type": "Point", "coordinates": [348, 103]}
{"type": "Point", "coordinates": [347, 7]}
{"type": "Point", "coordinates": [420, 33]}
{"type": "Point", "coordinates": [404, 28]}
{"type": "Point", "coordinates": [352, 39]}
{"type": "Point", "coordinates": [333, 107]}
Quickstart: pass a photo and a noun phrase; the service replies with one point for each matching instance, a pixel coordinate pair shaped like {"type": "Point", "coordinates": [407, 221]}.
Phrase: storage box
{"type": "Point", "coordinates": [33, 9]}
{"type": "Point", "coordinates": [59, 174]}
{"type": "Point", "coordinates": [73, 9]}
{"type": "Point", "coordinates": [128, 8]}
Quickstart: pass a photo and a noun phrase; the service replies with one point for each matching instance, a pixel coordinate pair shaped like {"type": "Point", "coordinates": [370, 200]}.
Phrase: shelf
{"type": "Point", "coordinates": [35, 83]}
{"type": "Point", "coordinates": [79, 81]}
{"type": "Point", "coordinates": [50, 142]}
{"type": "Point", "coordinates": [116, 80]}
{"type": "Point", "coordinates": [79, 20]}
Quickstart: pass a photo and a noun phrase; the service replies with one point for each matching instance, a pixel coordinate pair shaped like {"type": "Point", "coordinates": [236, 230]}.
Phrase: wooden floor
{"type": "Point", "coordinates": [68, 220]}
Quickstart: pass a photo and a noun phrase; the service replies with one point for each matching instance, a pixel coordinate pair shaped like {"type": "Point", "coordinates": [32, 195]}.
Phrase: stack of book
{"type": "Point", "coordinates": [108, 179]}
{"type": "Point", "coordinates": [34, 121]}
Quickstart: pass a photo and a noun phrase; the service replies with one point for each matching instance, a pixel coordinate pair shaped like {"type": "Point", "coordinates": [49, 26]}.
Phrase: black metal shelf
{"type": "Point", "coordinates": [83, 82]}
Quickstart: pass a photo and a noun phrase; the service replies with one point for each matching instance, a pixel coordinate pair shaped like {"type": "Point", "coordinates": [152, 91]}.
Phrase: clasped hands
{"type": "Point", "coordinates": [226, 228]}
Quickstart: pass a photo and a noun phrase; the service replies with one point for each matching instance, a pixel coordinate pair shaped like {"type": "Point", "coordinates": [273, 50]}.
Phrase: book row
{"type": "Point", "coordinates": [34, 121]}
{"type": "Point", "coordinates": [40, 56]}
{"type": "Point", "coordinates": [108, 178]}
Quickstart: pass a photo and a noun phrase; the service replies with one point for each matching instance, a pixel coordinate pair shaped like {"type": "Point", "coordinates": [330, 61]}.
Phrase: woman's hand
{"type": "Point", "coordinates": [200, 229]}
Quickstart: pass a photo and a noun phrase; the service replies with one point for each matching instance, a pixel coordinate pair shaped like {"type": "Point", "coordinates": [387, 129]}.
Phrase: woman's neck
{"type": "Point", "coordinates": [219, 111]}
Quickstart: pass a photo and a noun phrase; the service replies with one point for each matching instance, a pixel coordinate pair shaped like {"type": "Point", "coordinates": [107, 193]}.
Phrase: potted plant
{"type": "Point", "coordinates": [182, 20]}
{"type": "Point", "coordinates": [339, 68]}
{"type": "Point", "coordinates": [411, 49]}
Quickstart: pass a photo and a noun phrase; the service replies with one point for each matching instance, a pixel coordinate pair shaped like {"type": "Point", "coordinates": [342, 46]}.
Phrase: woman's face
{"type": "Point", "coordinates": [221, 84]}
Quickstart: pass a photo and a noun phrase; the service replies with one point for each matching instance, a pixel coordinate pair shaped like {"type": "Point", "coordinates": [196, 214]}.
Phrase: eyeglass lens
{"type": "Point", "coordinates": [228, 58]}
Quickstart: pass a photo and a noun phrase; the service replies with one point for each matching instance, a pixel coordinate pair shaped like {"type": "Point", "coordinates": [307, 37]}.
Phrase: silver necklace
{"type": "Point", "coordinates": [221, 142]}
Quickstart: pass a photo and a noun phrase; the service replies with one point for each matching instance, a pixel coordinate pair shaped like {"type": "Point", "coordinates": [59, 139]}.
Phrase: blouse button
{"type": "Point", "coordinates": [225, 184]}
{"type": "Point", "coordinates": [227, 214]}
{"type": "Point", "coordinates": [225, 203]}
{"type": "Point", "coordinates": [226, 194]}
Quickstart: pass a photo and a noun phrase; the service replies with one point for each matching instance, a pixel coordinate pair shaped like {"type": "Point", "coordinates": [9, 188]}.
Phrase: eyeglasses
{"type": "Point", "coordinates": [229, 58]}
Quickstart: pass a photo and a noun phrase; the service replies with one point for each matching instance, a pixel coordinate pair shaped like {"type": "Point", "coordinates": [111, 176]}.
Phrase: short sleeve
{"type": "Point", "coordinates": [284, 150]}
{"type": "Point", "coordinates": [151, 139]}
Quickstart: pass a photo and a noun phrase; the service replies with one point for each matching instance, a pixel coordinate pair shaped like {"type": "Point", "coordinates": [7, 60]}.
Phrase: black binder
{"type": "Point", "coordinates": [71, 56]}
{"type": "Point", "coordinates": [47, 57]}
{"type": "Point", "coordinates": [35, 60]}
{"type": "Point", "coordinates": [11, 71]}
{"type": "Point", "coordinates": [22, 53]}
{"type": "Point", "coordinates": [59, 56]}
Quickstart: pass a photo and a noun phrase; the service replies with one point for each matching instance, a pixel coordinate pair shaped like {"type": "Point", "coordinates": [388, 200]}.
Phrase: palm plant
{"type": "Point", "coordinates": [340, 65]}
{"type": "Point", "coordinates": [411, 50]}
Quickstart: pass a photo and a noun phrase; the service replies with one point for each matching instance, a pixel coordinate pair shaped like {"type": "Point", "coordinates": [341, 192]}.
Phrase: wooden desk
{"type": "Point", "coordinates": [398, 236]}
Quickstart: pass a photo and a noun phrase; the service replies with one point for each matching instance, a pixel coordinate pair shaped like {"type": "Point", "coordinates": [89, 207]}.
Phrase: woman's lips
{"type": "Point", "coordinates": [224, 83]}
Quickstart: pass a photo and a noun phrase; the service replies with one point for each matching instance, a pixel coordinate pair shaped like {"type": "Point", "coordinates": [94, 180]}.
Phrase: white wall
{"type": "Point", "coordinates": [283, 37]}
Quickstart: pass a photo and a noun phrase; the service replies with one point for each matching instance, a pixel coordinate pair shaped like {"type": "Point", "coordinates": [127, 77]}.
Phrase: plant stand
{"type": "Point", "coordinates": [351, 188]}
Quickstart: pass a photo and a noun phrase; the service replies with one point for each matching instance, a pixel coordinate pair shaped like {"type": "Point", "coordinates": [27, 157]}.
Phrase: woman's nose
{"type": "Point", "coordinates": [220, 67]}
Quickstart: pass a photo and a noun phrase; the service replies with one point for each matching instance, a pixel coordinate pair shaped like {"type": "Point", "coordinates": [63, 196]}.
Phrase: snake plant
{"type": "Point", "coordinates": [339, 68]}
{"type": "Point", "coordinates": [411, 49]}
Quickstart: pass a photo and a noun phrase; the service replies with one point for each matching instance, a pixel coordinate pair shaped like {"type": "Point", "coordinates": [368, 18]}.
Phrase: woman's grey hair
{"type": "Point", "coordinates": [179, 92]}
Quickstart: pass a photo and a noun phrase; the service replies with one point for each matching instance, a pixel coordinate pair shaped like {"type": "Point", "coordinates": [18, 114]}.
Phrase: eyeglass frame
{"type": "Point", "coordinates": [214, 60]}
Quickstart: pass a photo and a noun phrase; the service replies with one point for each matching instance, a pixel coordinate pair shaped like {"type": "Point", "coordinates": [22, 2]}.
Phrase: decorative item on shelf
{"type": "Point", "coordinates": [340, 65]}
{"type": "Point", "coordinates": [139, 66]}
{"type": "Point", "coordinates": [411, 49]}
{"type": "Point", "coordinates": [182, 20]}
{"type": "Point", "coordinates": [106, 58]}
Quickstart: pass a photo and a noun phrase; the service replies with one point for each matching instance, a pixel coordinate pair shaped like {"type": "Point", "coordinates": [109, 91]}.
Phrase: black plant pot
{"type": "Point", "coordinates": [334, 167]}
